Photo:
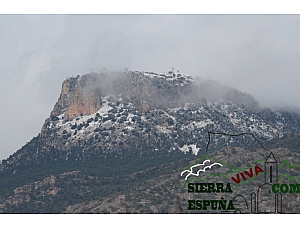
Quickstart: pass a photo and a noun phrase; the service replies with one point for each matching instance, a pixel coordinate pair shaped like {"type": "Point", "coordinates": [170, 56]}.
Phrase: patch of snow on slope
{"type": "Point", "coordinates": [185, 148]}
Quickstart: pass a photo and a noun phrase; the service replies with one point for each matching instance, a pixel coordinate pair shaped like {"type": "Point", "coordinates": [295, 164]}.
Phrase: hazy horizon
{"type": "Point", "coordinates": [257, 54]}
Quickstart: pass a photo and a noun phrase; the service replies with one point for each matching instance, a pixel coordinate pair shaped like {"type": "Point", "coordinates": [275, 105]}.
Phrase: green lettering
{"type": "Point", "coordinates": [205, 204]}
{"type": "Point", "coordinates": [230, 205]}
{"type": "Point", "coordinates": [197, 187]}
{"type": "Point", "coordinates": [222, 204]}
{"type": "Point", "coordinates": [211, 187]}
{"type": "Point", "coordinates": [202, 187]}
{"type": "Point", "coordinates": [191, 205]}
{"type": "Point", "coordinates": [191, 187]}
{"type": "Point", "coordinates": [228, 188]}
{"type": "Point", "coordinates": [284, 188]}
{"type": "Point", "coordinates": [214, 204]}
{"type": "Point", "coordinates": [294, 188]}
{"type": "Point", "coordinates": [219, 187]}
{"type": "Point", "coordinates": [273, 188]}
{"type": "Point", "coordinates": [199, 204]}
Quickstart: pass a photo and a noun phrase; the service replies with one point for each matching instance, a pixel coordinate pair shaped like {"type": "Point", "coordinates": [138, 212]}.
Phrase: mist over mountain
{"type": "Point", "coordinates": [109, 111]}
{"type": "Point", "coordinates": [113, 130]}
{"type": "Point", "coordinates": [257, 54]}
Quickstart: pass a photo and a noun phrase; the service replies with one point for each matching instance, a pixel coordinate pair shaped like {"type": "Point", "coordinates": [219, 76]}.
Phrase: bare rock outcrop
{"type": "Point", "coordinates": [79, 96]}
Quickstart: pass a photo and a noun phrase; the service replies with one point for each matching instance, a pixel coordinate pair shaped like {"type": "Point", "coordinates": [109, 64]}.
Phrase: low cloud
{"type": "Point", "coordinates": [258, 54]}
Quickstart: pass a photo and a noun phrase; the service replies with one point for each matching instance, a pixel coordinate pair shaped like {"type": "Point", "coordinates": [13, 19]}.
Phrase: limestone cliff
{"type": "Point", "coordinates": [134, 126]}
{"type": "Point", "coordinates": [79, 96]}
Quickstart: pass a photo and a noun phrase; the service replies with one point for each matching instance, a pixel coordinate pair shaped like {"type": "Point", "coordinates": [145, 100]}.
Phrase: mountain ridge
{"type": "Point", "coordinates": [135, 121]}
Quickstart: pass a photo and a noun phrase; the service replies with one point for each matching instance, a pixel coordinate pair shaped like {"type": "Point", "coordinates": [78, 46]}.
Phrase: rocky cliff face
{"type": "Point", "coordinates": [109, 114]}
{"type": "Point", "coordinates": [115, 111]}
{"type": "Point", "coordinates": [123, 127]}
{"type": "Point", "coordinates": [79, 96]}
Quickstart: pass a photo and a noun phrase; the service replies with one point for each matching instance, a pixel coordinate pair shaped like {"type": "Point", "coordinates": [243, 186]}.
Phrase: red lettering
{"type": "Point", "coordinates": [237, 180]}
{"type": "Point", "coordinates": [258, 170]}
{"type": "Point", "coordinates": [249, 174]}
{"type": "Point", "coordinates": [243, 176]}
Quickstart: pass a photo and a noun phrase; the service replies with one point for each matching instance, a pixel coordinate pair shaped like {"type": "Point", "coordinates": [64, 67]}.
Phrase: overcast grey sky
{"type": "Point", "coordinates": [258, 54]}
